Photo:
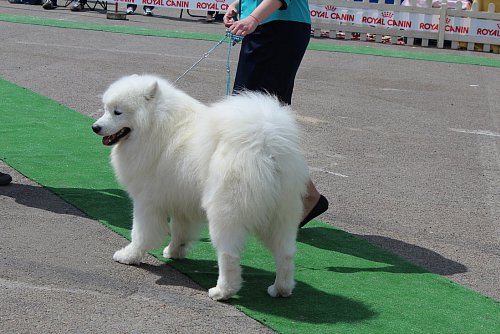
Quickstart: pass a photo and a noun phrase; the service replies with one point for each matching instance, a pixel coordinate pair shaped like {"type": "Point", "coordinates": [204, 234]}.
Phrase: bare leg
{"type": "Point", "coordinates": [311, 199]}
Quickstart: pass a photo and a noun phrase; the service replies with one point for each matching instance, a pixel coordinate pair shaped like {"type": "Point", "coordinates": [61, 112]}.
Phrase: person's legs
{"type": "Point", "coordinates": [269, 60]}
{"type": "Point", "coordinates": [314, 204]}
{"type": "Point", "coordinates": [270, 57]}
{"type": "Point", "coordinates": [78, 5]}
{"type": "Point", "coordinates": [210, 16]}
{"type": "Point", "coordinates": [148, 10]}
{"type": "Point", "coordinates": [49, 4]}
{"type": "Point", "coordinates": [131, 8]}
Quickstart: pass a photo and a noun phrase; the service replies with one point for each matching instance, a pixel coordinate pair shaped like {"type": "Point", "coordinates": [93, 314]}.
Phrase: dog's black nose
{"type": "Point", "coordinates": [96, 128]}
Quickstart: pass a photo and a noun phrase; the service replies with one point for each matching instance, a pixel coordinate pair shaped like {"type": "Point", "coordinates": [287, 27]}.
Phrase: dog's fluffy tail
{"type": "Point", "coordinates": [266, 176]}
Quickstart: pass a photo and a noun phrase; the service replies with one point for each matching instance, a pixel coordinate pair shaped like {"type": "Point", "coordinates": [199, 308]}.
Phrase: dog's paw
{"type": "Point", "coordinates": [178, 253]}
{"type": "Point", "coordinates": [274, 292]}
{"type": "Point", "coordinates": [127, 255]}
{"type": "Point", "coordinates": [219, 294]}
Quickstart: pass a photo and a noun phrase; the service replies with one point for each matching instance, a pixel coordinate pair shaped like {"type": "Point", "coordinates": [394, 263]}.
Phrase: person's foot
{"type": "Point", "coordinates": [49, 4]}
{"type": "Point", "coordinates": [5, 179]}
{"type": "Point", "coordinates": [148, 12]}
{"type": "Point", "coordinates": [78, 6]}
{"type": "Point", "coordinates": [318, 208]}
{"type": "Point", "coordinates": [130, 10]}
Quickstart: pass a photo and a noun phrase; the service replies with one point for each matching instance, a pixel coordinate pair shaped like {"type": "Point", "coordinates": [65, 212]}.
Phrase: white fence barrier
{"type": "Point", "coordinates": [203, 5]}
{"type": "Point", "coordinates": [379, 19]}
{"type": "Point", "coordinates": [426, 23]}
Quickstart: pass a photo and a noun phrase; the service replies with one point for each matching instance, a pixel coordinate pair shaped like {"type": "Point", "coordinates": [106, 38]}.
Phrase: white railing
{"type": "Point", "coordinates": [442, 24]}
{"type": "Point", "coordinates": [425, 23]}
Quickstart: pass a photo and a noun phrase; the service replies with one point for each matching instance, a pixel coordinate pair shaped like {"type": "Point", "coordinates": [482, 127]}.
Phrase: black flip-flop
{"type": "Point", "coordinates": [320, 207]}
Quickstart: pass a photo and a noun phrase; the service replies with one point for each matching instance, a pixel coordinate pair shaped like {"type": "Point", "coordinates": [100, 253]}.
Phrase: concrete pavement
{"type": "Point", "coordinates": [406, 151]}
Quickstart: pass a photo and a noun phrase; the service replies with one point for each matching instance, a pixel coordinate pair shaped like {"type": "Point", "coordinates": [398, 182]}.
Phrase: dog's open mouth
{"type": "Point", "coordinates": [115, 138]}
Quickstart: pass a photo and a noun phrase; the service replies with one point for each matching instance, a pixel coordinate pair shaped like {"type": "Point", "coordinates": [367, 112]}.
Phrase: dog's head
{"type": "Point", "coordinates": [128, 102]}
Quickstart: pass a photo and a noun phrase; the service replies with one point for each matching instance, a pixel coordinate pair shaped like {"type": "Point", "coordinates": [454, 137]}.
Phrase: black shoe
{"type": "Point", "coordinates": [78, 6]}
{"type": "Point", "coordinates": [5, 179]}
{"type": "Point", "coordinates": [318, 209]}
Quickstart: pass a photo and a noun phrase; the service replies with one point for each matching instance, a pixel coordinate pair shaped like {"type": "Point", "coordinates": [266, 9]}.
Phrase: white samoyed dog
{"type": "Point", "coordinates": [236, 164]}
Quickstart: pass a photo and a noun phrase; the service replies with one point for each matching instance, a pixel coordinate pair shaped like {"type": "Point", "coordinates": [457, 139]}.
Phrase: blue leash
{"type": "Point", "coordinates": [233, 40]}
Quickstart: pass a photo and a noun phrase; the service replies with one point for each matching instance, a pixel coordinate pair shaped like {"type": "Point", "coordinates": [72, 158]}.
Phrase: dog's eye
{"type": "Point", "coordinates": [117, 113]}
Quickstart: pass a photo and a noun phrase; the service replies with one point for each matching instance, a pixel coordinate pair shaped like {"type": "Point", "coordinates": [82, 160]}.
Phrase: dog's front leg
{"type": "Point", "coordinates": [149, 229]}
{"type": "Point", "coordinates": [184, 231]}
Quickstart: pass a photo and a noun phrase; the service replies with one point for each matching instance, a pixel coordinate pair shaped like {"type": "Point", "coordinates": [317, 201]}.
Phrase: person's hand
{"type": "Point", "coordinates": [244, 27]}
{"type": "Point", "coordinates": [231, 13]}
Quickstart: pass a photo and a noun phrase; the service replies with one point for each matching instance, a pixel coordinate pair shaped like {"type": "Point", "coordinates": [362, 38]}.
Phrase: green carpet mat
{"type": "Point", "coordinates": [477, 59]}
{"type": "Point", "coordinates": [344, 284]}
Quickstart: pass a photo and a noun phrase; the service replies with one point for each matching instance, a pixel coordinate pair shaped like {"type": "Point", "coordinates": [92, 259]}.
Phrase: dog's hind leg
{"type": "Point", "coordinates": [228, 237]}
{"type": "Point", "coordinates": [149, 229]}
{"type": "Point", "coordinates": [282, 243]}
{"type": "Point", "coordinates": [184, 231]}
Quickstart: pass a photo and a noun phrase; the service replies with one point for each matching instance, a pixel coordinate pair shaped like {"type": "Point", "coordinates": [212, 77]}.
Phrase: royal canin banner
{"type": "Point", "coordinates": [370, 17]}
{"type": "Point", "coordinates": [359, 16]}
{"type": "Point", "coordinates": [403, 20]}
{"type": "Point", "coordinates": [212, 5]}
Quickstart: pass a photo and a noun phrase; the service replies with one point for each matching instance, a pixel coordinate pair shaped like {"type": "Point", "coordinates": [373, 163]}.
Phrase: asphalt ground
{"type": "Point", "coordinates": [407, 152]}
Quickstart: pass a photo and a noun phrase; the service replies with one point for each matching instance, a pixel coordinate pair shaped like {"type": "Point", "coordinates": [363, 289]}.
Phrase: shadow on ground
{"type": "Point", "coordinates": [307, 304]}
{"type": "Point", "coordinates": [343, 242]}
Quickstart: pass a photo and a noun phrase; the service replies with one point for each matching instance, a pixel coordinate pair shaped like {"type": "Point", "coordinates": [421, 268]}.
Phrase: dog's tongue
{"type": "Point", "coordinates": [107, 140]}
{"type": "Point", "coordinates": [115, 138]}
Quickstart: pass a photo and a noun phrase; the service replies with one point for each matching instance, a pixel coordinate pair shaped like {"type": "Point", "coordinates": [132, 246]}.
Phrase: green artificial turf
{"type": "Point", "coordinates": [344, 284]}
{"type": "Point", "coordinates": [477, 59]}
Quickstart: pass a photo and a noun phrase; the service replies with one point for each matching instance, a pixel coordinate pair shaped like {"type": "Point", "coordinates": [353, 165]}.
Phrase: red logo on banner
{"type": "Point", "coordinates": [489, 32]}
{"type": "Point", "coordinates": [388, 14]}
{"type": "Point", "coordinates": [330, 13]}
{"type": "Point", "coordinates": [448, 20]}
{"type": "Point", "coordinates": [428, 26]}
{"type": "Point", "coordinates": [212, 5]}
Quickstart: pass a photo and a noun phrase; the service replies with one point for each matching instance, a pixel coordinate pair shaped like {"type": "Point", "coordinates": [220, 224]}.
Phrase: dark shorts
{"type": "Point", "coordinates": [270, 57]}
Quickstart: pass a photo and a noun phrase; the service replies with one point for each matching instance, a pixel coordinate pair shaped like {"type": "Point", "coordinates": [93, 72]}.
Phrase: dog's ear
{"type": "Point", "coordinates": [151, 91]}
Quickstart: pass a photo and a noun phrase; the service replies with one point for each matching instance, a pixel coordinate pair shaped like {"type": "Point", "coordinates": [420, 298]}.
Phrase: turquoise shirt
{"type": "Point", "coordinates": [291, 10]}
